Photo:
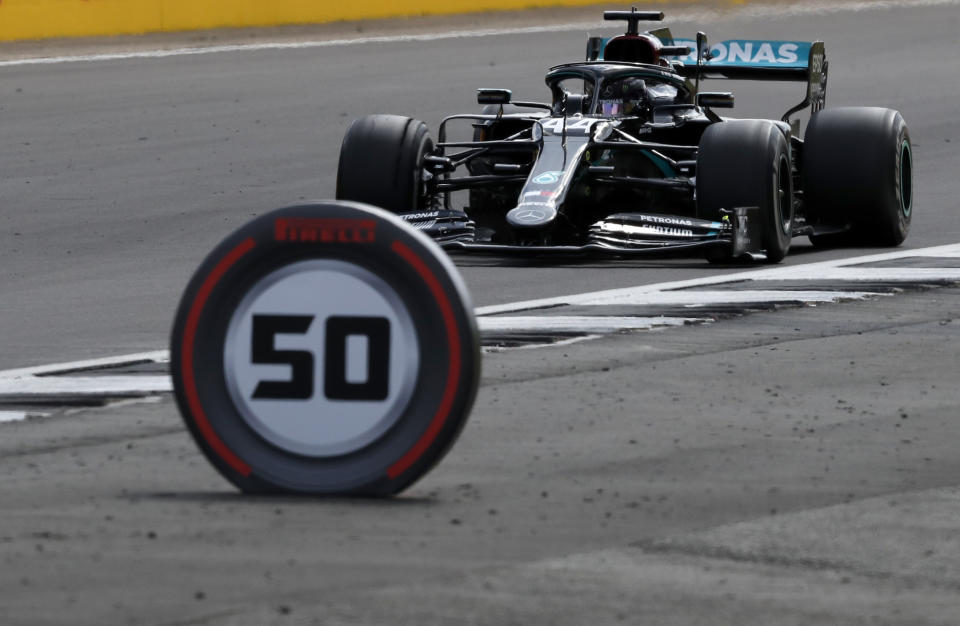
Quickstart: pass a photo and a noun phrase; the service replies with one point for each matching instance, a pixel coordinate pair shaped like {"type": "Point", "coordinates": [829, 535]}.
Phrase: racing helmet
{"type": "Point", "coordinates": [640, 48]}
{"type": "Point", "coordinates": [626, 96]}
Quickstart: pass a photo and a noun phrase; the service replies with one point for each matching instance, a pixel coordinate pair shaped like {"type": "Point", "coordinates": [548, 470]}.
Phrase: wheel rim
{"type": "Point", "coordinates": [783, 195]}
{"type": "Point", "coordinates": [906, 178]}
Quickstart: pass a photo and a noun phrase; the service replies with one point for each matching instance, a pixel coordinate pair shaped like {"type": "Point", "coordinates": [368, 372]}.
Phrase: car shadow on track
{"type": "Point", "coordinates": [234, 497]}
{"type": "Point", "coordinates": [546, 261]}
{"type": "Point", "coordinates": [800, 248]}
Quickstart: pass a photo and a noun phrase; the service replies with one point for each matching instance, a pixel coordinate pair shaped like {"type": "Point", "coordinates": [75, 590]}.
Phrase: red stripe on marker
{"type": "Point", "coordinates": [453, 371]}
{"type": "Point", "coordinates": [186, 365]}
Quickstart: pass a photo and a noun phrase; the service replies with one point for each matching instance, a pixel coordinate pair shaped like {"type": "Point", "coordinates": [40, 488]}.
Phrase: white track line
{"type": "Point", "coordinates": [701, 15]}
{"type": "Point", "coordinates": [297, 45]}
{"type": "Point", "coordinates": [783, 273]}
{"type": "Point", "coordinates": [701, 298]}
{"type": "Point", "coordinates": [30, 387]}
{"type": "Point", "coordinates": [50, 381]}
{"type": "Point", "coordinates": [19, 416]}
{"type": "Point", "coordinates": [886, 274]}
{"type": "Point", "coordinates": [579, 323]}
{"type": "Point", "coordinates": [155, 356]}
{"type": "Point", "coordinates": [56, 382]}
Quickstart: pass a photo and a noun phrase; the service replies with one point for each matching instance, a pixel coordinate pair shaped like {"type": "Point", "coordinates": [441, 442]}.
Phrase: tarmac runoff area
{"type": "Point", "coordinates": [635, 479]}
{"type": "Point", "coordinates": [795, 465]}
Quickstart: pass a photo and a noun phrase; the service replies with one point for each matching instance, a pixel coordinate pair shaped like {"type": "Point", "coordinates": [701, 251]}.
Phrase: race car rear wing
{"type": "Point", "coordinates": [742, 59]}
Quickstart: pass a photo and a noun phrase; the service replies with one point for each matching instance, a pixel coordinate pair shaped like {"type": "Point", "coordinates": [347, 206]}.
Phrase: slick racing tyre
{"type": "Point", "coordinates": [325, 349]}
{"type": "Point", "coordinates": [858, 170]}
{"type": "Point", "coordinates": [381, 163]}
{"type": "Point", "coordinates": [746, 163]}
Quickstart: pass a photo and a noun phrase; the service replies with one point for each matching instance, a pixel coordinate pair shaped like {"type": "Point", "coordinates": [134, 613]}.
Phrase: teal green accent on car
{"type": "Point", "coordinates": [665, 168]}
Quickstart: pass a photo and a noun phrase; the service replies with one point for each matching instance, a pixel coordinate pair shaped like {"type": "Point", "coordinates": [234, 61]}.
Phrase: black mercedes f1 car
{"type": "Point", "coordinates": [630, 157]}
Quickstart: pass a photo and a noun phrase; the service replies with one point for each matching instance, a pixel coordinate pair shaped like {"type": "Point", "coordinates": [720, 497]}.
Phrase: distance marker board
{"type": "Point", "coordinates": [325, 348]}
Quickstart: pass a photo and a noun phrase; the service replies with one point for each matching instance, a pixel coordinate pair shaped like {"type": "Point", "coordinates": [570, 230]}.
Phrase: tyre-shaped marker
{"type": "Point", "coordinates": [325, 348]}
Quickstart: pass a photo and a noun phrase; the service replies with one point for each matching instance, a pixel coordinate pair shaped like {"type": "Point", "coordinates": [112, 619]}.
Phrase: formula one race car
{"type": "Point", "coordinates": [630, 157]}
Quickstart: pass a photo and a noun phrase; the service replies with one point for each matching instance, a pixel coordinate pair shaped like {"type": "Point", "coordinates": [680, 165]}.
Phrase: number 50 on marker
{"type": "Point", "coordinates": [371, 347]}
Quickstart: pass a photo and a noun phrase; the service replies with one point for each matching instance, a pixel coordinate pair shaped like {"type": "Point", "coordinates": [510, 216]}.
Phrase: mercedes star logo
{"type": "Point", "coordinates": [530, 215]}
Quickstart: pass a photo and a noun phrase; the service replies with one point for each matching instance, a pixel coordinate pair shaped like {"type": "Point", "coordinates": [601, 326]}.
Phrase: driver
{"type": "Point", "coordinates": [623, 97]}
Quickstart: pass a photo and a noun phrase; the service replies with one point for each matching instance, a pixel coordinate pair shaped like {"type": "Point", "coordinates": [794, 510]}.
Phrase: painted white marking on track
{"type": "Point", "coordinates": [878, 274]}
{"type": "Point", "coordinates": [784, 273]}
{"type": "Point", "coordinates": [72, 380]}
{"type": "Point", "coordinates": [578, 323]}
{"type": "Point", "coordinates": [52, 383]}
{"type": "Point", "coordinates": [294, 45]}
{"type": "Point", "coordinates": [154, 356]}
{"type": "Point", "coordinates": [701, 298]}
{"type": "Point", "coordinates": [685, 15]}
{"type": "Point", "coordinates": [59, 387]}
{"type": "Point", "coordinates": [15, 416]}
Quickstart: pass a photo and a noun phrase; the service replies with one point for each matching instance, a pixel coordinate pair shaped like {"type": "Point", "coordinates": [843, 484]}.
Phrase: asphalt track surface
{"type": "Point", "coordinates": [787, 467]}
{"type": "Point", "coordinates": [119, 176]}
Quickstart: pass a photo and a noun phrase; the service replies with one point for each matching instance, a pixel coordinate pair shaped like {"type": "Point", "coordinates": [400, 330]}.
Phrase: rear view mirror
{"type": "Point", "coordinates": [494, 96]}
{"type": "Point", "coordinates": [715, 99]}
{"type": "Point", "coordinates": [703, 48]}
{"type": "Point", "coordinates": [703, 54]}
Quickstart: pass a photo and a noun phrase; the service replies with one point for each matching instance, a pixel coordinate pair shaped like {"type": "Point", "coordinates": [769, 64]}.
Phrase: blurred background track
{"type": "Point", "coordinates": [44, 19]}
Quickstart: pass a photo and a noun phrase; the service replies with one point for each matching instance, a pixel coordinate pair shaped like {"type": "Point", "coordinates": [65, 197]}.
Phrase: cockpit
{"type": "Point", "coordinates": [607, 90]}
{"type": "Point", "coordinates": [634, 96]}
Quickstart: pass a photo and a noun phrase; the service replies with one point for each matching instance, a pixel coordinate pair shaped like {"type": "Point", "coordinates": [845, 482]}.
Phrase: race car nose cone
{"type": "Point", "coordinates": [532, 215]}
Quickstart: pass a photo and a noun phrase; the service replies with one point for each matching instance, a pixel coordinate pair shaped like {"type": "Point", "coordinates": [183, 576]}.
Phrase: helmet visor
{"type": "Point", "coordinates": [611, 107]}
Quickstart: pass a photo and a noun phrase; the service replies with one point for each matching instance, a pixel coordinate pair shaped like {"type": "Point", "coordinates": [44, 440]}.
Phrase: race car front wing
{"type": "Point", "coordinates": [623, 234]}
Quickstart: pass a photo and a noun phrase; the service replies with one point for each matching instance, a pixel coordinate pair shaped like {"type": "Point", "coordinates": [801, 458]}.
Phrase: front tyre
{"type": "Point", "coordinates": [746, 163]}
{"type": "Point", "coordinates": [381, 163]}
{"type": "Point", "coordinates": [858, 170]}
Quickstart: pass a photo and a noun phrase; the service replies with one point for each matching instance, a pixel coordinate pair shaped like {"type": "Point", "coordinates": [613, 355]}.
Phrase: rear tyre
{"type": "Point", "coordinates": [858, 170]}
{"type": "Point", "coordinates": [381, 163]}
{"type": "Point", "coordinates": [746, 163]}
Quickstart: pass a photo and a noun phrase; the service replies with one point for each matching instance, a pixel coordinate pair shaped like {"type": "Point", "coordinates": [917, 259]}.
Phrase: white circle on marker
{"type": "Point", "coordinates": [315, 291]}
